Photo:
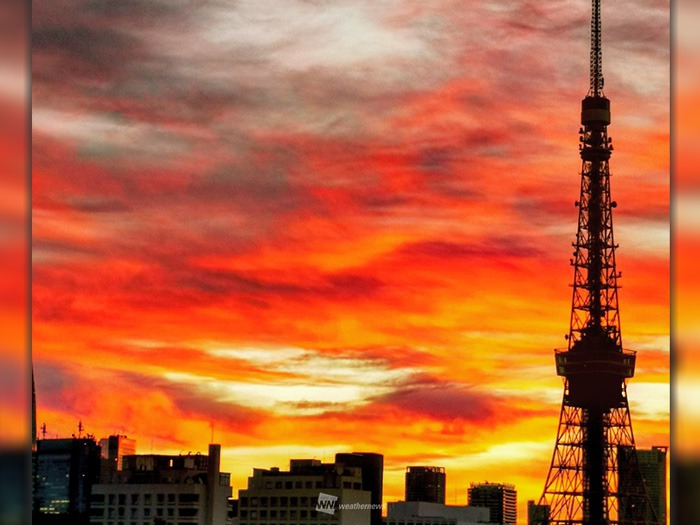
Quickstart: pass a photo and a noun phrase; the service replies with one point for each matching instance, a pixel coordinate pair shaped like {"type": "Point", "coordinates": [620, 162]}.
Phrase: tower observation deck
{"type": "Point", "coordinates": [582, 486]}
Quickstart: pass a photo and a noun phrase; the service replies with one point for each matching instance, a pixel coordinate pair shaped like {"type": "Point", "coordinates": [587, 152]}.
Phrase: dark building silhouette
{"type": "Point", "coordinates": [537, 514]}
{"type": "Point", "coordinates": [372, 466]}
{"type": "Point", "coordinates": [500, 498]}
{"type": "Point", "coordinates": [425, 484]}
{"type": "Point", "coordinates": [651, 464]}
{"type": "Point", "coordinates": [66, 470]}
{"type": "Point", "coordinates": [685, 504]}
{"type": "Point", "coordinates": [114, 448]}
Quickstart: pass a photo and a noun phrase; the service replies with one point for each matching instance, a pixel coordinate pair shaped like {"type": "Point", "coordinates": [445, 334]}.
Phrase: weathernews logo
{"type": "Point", "coordinates": [326, 503]}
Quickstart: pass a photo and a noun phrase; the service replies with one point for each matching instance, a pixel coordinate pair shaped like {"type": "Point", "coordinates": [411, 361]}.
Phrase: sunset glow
{"type": "Point", "coordinates": [316, 228]}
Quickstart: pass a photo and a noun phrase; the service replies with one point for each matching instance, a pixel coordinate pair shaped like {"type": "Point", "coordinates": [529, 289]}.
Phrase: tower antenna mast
{"type": "Point", "coordinates": [596, 66]}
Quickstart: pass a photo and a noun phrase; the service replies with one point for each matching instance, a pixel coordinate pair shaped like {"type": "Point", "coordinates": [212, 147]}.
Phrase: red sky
{"type": "Point", "coordinates": [336, 227]}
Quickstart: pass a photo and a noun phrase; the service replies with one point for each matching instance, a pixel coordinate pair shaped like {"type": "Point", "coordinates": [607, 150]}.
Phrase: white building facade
{"type": "Point", "coordinates": [425, 513]}
{"type": "Point", "coordinates": [164, 490]}
{"type": "Point", "coordinates": [275, 497]}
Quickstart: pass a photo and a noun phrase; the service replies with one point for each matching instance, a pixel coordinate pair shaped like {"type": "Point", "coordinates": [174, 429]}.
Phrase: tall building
{"type": "Point", "coordinates": [114, 448]}
{"type": "Point", "coordinates": [372, 466]}
{"type": "Point", "coordinates": [164, 490]}
{"type": "Point", "coordinates": [311, 492]}
{"type": "Point", "coordinates": [537, 514]}
{"type": "Point", "coordinates": [652, 467]}
{"type": "Point", "coordinates": [66, 472]}
{"type": "Point", "coordinates": [425, 484]}
{"type": "Point", "coordinates": [426, 513]}
{"type": "Point", "coordinates": [500, 498]}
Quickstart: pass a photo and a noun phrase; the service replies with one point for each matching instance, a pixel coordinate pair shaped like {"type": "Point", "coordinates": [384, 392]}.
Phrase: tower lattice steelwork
{"type": "Point", "coordinates": [595, 425]}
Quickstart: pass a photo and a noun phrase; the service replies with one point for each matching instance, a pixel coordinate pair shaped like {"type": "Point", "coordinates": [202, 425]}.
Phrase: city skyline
{"type": "Point", "coordinates": [98, 466]}
{"type": "Point", "coordinates": [340, 228]}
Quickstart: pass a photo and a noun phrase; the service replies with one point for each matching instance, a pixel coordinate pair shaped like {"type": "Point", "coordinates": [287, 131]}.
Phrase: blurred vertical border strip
{"type": "Point", "coordinates": [15, 217]}
{"type": "Point", "coordinates": [685, 463]}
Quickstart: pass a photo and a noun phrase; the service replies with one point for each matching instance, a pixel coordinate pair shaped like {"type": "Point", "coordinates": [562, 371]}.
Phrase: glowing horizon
{"type": "Point", "coordinates": [335, 229]}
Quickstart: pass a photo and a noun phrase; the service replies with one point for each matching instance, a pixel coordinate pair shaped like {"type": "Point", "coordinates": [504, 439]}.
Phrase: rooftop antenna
{"type": "Point", "coordinates": [80, 429]}
{"type": "Point", "coordinates": [43, 431]}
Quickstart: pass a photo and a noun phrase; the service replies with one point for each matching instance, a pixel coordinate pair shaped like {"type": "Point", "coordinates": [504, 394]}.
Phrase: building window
{"type": "Point", "coordinates": [319, 484]}
{"type": "Point", "coordinates": [298, 485]}
{"type": "Point", "coordinates": [189, 498]}
{"type": "Point", "coordinates": [134, 499]}
{"type": "Point", "coordinates": [273, 501]}
{"type": "Point", "coordinates": [357, 486]}
{"type": "Point", "coordinates": [97, 498]}
{"type": "Point", "coordinates": [253, 501]}
{"type": "Point", "coordinates": [263, 501]}
{"type": "Point", "coordinates": [147, 499]}
{"type": "Point", "coordinates": [122, 499]}
{"type": "Point", "coordinates": [309, 484]}
{"type": "Point", "coordinates": [347, 485]}
{"type": "Point", "coordinates": [278, 484]}
{"type": "Point", "coordinates": [244, 501]}
{"type": "Point", "coordinates": [171, 498]}
{"type": "Point", "coordinates": [187, 512]}
{"type": "Point", "coordinates": [287, 484]}
{"type": "Point", "coordinates": [304, 501]}
{"type": "Point", "coordinates": [160, 498]}
{"type": "Point", "coordinates": [293, 501]}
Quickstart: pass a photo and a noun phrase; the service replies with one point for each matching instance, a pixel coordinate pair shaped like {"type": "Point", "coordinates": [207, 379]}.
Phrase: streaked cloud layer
{"type": "Point", "coordinates": [331, 226]}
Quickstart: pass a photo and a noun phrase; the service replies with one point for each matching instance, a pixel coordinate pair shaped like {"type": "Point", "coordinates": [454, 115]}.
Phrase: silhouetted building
{"type": "Point", "coordinates": [426, 513]}
{"type": "Point", "coordinates": [115, 447]}
{"type": "Point", "coordinates": [685, 504]}
{"type": "Point", "coordinates": [500, 498]}
{"type": "Point", "coordinates": [425, 484]}
{"type": "Point", "coordinates": [160, 489]}
{"type": "Point", "coordinates": [372, 466]}
{"type": "Point", "coordinates": [652, 467]}
{"type": "Point", "coordinates": [66, 471]}
{"type": "Point", "coordinates": [537, 514]}
{"type": "Point", "coordinates": [310, 492]}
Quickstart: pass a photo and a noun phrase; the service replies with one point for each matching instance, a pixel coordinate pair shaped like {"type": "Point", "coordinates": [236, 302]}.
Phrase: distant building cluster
{"type": "Point", "coordinates": [80, 481]}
